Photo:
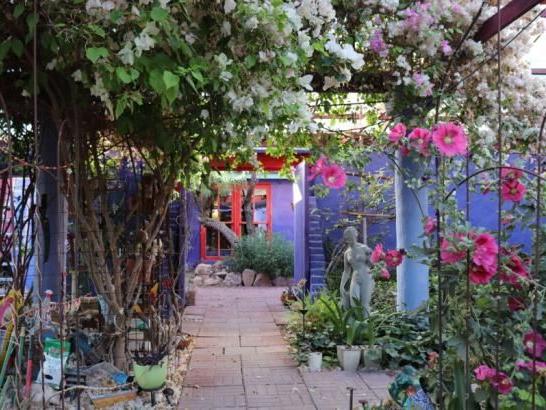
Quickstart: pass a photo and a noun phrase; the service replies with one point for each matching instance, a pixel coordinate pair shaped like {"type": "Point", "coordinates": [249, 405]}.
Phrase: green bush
{"type": "Point", "coordinates": [273, 256]}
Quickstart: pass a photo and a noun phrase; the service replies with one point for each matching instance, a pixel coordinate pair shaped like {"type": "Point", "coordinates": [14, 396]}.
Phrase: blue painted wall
{"type": "Point", "coordinates": [283, 208]}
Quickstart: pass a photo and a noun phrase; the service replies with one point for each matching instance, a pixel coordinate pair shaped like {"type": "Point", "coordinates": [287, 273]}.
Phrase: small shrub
{"type": "Point", "coordinates": [273, 256]}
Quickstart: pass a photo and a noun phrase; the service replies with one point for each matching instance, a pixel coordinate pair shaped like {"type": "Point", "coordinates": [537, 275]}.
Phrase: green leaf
{"type": "Point", "coordinates": [121, 104]}
{"type": "Point", "coordinates": [4, 48]}
{"type": "Point", "coordinates": [156, 81]}
{"type": "Point", "coordinates": [170, 80]}
{"type": "Point", "coordinates": [97, 30]}
{"type": "Point", "coordinates": [116, 15]}
{"type": "Point", "coordinates": [94, 53]}
{"type": "Point", "coordinates": [159, 14]}
{"type": "Point", "coordinates": [250, 61]}
{"type": "Point", "coordinates": [18, 10]}
{"type": "Point", "coordinates": [17, 47]}
{"type": "Point", "coordinates": [123, 75]}
{"type": "Point", "coordinates": [198, 76]}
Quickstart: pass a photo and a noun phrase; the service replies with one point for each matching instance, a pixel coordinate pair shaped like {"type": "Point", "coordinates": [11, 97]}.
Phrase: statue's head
{"type": "Point", "coordinates": [350, 235]}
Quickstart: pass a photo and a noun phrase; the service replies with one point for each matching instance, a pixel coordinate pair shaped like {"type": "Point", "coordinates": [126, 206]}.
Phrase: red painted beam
{"type": "Point", "coordinates": [268, 162]}
{"type": "Point", "coordinates": [508, 14]}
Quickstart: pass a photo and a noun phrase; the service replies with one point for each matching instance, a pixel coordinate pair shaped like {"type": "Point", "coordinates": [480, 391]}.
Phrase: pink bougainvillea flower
{"type": "Point", "coordinates": [450, 139]}
{"type": "Point", "coordinates": [513, 190]}
{"type": "Point", "coordinates": [511, 173]}
{"type": "Point", "coordinates": [378, 254]}
{"type": "Point", "coordinates": [486, 251]}
{"type": "Point", "coordinates": [419, 139]}
{"type": "Point", "coordinates": [393, 258]}
{"type": "Point", "coordinates": [430, 225]}
{"type": "Point", "coordinates": [397, 132]}
{"type": "Point", "coordinates": [534, 344]}
{"type": "Point", "coordinates": [377, 44]}
{"type": "Point", "coordinates": [501, 382]}
{"type": "Point", "coordinates": [384, 274]}
{"type": "Point", "coordinates": [528, 365]}
{"type": "Point", "coordinates": [334, 176]}
{"type": "Point", "coordinates": [479, 275]}
{"type": "Point", "coordinates": [317, 169]}
{"type": "Point", "coordinates": [446, 48]}
{"type": "Point", "coordinates": [484, 372]}
{"type": "Point", "coordinates": [448, 252]}
{"type": "Point", "coordinates": [515, 303]}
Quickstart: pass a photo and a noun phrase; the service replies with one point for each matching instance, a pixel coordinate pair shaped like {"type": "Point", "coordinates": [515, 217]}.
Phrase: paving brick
{"type": "Point", "coordinates": [218, 397]}
{"type": "Point", "coordinates": [271, 375]}
{"type": "Point", "coordinates": [280, 396]}
{"type": "Point", "coordinates": [209, 377]}
{"type": "Point", "coordinates": [262, 340]}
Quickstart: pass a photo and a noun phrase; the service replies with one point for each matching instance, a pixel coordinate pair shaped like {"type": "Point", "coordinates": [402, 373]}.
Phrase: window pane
{"type": "Point", "coordinates": [225, 247]}
{"type": "Point", "coordinates": [212, 242]}
{"type": "Point", "coordinates": [225, 208]}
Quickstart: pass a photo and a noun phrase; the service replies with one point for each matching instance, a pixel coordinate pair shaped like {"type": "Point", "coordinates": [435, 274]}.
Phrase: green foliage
{"type": "Point", "coordinates": [273, 256]}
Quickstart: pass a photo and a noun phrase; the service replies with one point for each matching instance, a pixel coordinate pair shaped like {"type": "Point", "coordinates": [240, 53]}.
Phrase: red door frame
{"type": "Point", "coordinates": [236, 205]}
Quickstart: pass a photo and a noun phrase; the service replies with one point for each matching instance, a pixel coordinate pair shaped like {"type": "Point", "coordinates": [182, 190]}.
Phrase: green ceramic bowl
{"type": "Point", "coordinates": [151, 377]}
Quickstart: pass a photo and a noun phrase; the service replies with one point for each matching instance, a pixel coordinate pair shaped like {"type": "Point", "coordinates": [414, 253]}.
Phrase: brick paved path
{"type": "Point", "coordinates": [241, 361]}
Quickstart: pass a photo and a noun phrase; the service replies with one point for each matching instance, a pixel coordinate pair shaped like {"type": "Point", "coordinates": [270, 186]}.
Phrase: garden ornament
{"type": "Point", "coordinates": [357, 283]}
{"type": "Point", "coordinates": [406, 390]}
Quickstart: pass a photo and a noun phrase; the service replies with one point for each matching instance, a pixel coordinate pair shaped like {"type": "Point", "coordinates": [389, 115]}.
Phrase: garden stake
{"type": "Point", "coordinates": [28, 376]}
{"type": "Point", "coordinates": [351, 392]}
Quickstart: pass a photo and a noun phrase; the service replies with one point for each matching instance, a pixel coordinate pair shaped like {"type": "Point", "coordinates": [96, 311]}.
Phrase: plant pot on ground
{"type": "Point", "coordinates": [350, 353]}
{"type": "Point", "coordinates": [150, 370]}
{"type": "Point", "coordinates": [315, 361]}
{"type": "Point", "coordinates": [371, 357]}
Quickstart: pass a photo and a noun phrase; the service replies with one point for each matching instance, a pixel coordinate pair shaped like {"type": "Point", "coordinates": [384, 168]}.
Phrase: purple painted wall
{"type": "Point", "coordinates": [300, 221]}
{"type": "Point", "coordinates": [282, 208]}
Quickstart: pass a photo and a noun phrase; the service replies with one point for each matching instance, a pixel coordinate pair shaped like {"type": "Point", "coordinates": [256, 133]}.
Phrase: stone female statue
{"type": "Point", "coordinates": [357, 283]}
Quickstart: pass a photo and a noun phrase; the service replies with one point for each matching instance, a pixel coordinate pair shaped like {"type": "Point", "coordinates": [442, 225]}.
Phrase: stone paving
{"type": "Point", "coordinates": [241, 361]}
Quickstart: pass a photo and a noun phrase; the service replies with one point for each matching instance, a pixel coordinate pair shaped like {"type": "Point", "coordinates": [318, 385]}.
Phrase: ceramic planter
{"type": "Point", "coordinates": [315, 361]}
{"type": "Point", "coordinates": [151, 377]}
{"type": "Point", "coordinates": [350, 357]}
{"type": "Point", "coordinates": [371, 357]}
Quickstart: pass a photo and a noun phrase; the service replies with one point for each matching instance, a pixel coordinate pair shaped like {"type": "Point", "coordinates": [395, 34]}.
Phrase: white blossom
{"type": "Point", "coordinates": [229, 6]}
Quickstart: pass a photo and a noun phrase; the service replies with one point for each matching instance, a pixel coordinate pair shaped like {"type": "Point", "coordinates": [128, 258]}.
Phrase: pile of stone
{"type": "Point", "coordinates": [219, 275]}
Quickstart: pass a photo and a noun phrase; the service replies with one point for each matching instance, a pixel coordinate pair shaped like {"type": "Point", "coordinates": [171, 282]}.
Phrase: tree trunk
{"type": "Point", "coordinates": [221, 227]}
{"type": "Point", "coordinates": [247, 204]}
{"type": "Point", "coordinates": [118, 350]}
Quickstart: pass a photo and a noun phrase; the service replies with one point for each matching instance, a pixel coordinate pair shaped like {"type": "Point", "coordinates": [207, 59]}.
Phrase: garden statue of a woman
{"type": "Point", "coordinates": [356, 282]}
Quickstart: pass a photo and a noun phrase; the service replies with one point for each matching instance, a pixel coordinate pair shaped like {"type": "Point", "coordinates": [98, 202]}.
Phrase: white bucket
{"type": "Point", "coordinates": [315, 361]}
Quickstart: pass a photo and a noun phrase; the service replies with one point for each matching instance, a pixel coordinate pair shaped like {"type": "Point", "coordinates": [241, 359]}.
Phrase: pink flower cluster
{"type": "Point", "coordinates": [377, 44]}
{"type": "Point", "coordinates": [333, 175]}
{"type": "Point", "coordinates": [449, 139]}
{"type": "Point", "coordinates": [514, 270]}
{"type": "Point", "coordinates": [387, 259]}
{"type": "Point", "coordinates": [512, 189]}
{"type": "Point", "coordinates": [534, 344]}
{"type": "Point", "coordinates": [498, 380]}
{"type": "Point", "coordinates": [483, 254]}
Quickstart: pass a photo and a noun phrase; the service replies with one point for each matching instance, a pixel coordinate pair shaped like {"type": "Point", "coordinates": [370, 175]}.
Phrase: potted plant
{"type": "Point", "coordinates": [349, 354]}
{"type": "Point", "coordinates": [372, 352]}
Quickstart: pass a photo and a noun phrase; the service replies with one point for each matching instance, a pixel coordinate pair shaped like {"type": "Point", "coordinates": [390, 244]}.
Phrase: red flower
{"type": "Point", "coordinates": [484, 372]}
{"type": "Point", "coordinates": [510, 173]}
{"type": "Point", "coordinates": [393, 258]}
{"type": "Point", "coordinates": [334, 176]}
{"type": "Point", "coordinates": [485, 252]}
{"type": "Point", "coordinates": [317, 169]}
{"type": "Point", "coordinates": [517, 271]}
{"type": "Point", "coordinates": [501, 383]}
{"type": "Point", "coordinates": [534, 344]}
{"type": "Point", "coordinates": [450, 139]}
{"type": "Point", "coordinates": [528, 365]}
{"type": "Point", "coordinates": [397, 133]}
{"type": "Point", "coordinates": [515, 303]}
{"type": "Point", "coordinates": [448, 252]}
{"type": "Point", "coordinates": [430, 226]}
{"type": "Point", "coordinates": [419, 139]}
{"type": "Point", "coordinates": [479, 275]}
{"type": "Point", "coordinates": [378, 254]}
{"type": "Point", "coordinates": [513, 190]}
{"type": "Point", "coordinates": [384, 274]}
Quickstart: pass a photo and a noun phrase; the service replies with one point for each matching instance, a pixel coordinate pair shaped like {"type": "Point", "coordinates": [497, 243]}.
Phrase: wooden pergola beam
{"type": "Point", "coordinates": [508, 14]}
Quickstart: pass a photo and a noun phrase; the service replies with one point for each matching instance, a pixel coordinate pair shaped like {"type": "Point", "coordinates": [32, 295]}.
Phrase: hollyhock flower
{"type": "Point", "coordinates": [528, 365]}
{"type": "Point", "coordinates": [480, 275]}
{"type": "Point", "coordinates": [486, 251]}
{"type": "Point", "coordinates": [448, 252]}
{"type": "Point", "coordinates": [446, 48]}
{"type": "Point", "coordinates": [484, 372]}
{"type": "Point", "coordinates": [517, 270]}
{"type": "Point", "coordinates": [334, 176]}
{"type": "Point", "coordinates": [501, 383]}
{"type": "Point", "coordinates": [515, 303]}
{"type": "Point", "coordinates": [378, 254]}
{"type": "Point", "coordinates": [511, 173]}
{"type": "Point", "coordinates": [377, 44]}
{"type": "Point", "coordinates": [419, 139]}
{"type": "Point", "coordinates": [384, 274]}
{"type": "Point", "coordinates": [393, 258]}
{"type": "Point", "coordinates": [513, 190]}
{"type": "Point", "coordinates": [397, 132]}
{"type": "Point", "coordinates": [450, 139]}
{"type": "Point", "coordinates": [430, 225]}
{"type": "Point", "coordinates": [534, 344]}
{"type": "Point", "coordinates": [317, 169]}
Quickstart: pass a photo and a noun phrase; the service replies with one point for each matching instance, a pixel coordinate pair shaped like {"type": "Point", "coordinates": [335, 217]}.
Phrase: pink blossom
{"type": "Point", "coordinates": [515, 303]}
{"type": "Point", "coordinates": [484, 372]}
{"type": "Point", "coordinates": [384, 274]}
{"type": "Point", "coordinates": [334, 176]}
{"type": "Point", "coordinates": [448, 252]}
{"type": "Point", "coordinates": [511, 173]}
{"type": "Point", "coordinates": [419, 139]}
{"type": "Point", "coordinates": [397, 132]}
{"type": "Point", "coordinates": [534, 344]}
{"type": "Point", "coordinates": [528, 365]}
{"type": "Point", "coordinates": [513, 190]}
{"type": "Point", "coordinates": [517, 270]}
{"type": "Point", "coordinates": [446, 48]}
{"type": "Point", "coordinates": [501, 383]}
{"type": "Point", "coordinates": [317, 169]}
{"type": "Point", "coordinates": [393, 258]}
{"type": "Point", "coordinates": [430, 225]}
{"type": "Point", "coordinates": [450, 139]}
{"type": "Point", "coordinates": [485, 252]}
{"type": "Point", "coordinates": [378, 254]}
{"type": "Point", "coordinates": [479, 275]}
{"type": "Point", "coordinates": [377, 44]}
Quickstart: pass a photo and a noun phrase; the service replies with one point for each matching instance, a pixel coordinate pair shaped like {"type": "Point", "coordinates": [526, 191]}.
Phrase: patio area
{"type": "Point", "coordinates": [241, 360]}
